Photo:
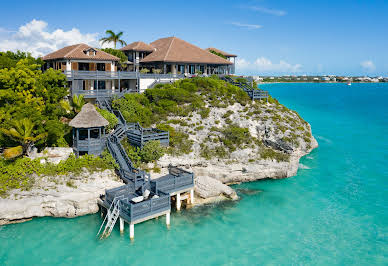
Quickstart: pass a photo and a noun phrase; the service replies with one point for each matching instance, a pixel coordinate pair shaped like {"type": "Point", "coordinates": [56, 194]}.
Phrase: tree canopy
{"type": "Point", "coordinates": [113, 37]}
{"type": "Point", "coordinates": [27, 93]}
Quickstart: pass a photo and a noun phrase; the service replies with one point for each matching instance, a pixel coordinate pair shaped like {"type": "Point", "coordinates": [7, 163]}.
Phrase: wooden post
{"type": "Point", "coordinates": [168, 219]}
{"type": "Point", "coordinates": [121, 225]}
{"type": "Point", "coordinates": [192, 196]}
{"type": "Point", "coordinates": [131, 231]}
{"type": "Point", "coordinates": [178, 201]}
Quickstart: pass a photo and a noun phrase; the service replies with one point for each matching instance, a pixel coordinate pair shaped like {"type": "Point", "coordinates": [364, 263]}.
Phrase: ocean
{"type": "Point", "coordinates": [333, 212]}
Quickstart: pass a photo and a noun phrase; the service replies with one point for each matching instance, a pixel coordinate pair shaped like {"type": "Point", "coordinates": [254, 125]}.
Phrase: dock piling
{"type": "Point", "coordinates": [168, 219]}
{"type": "Point", "coordinates": [178, 201]}
{"type": "Point", "coordinates": [131, 231]}
{"type": "Point", "coordinates": [121, 225]}
{"type": "Point", "coordinates": [192, 196]}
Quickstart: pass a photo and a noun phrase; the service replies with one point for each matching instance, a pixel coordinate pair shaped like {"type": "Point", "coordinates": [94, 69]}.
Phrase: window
{"type": "Point", "coordinates": [100, 66]}
{"type": "Point", "coordinates": [100, 85]}
{"type": "Point", "coordinates": [191, 69]}
{"type": "Point", "coordinates": [83, 134]}
{"type": "Point", "coordinates": [95, 133]}
{"type": "Point", "coordinates": [83, 66]}
{"type": "Point", "coordinates": [181, 69]}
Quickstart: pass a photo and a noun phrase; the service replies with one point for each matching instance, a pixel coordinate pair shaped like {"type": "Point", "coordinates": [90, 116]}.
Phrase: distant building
{"type": "Point", "coordinates": [95, 73]}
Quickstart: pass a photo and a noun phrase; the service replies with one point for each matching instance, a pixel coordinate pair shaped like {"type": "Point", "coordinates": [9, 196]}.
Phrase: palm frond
{"type": "Point", "coordinates": [13, 152]}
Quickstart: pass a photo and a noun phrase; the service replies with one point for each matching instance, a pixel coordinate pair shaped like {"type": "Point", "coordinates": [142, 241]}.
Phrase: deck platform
{"type": "Point", "coordinates": [138, 136]}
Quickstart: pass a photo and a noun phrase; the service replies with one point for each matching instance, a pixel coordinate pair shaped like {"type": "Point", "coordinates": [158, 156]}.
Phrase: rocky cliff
{"type": "Point", "coordinates": [230, 145]}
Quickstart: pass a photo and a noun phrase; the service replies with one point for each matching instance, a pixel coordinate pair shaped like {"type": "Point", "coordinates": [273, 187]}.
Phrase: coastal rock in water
{"type": "Point", "coordinates": [58, 200]}
{"type": "Point", "coordinates": [207, 187]}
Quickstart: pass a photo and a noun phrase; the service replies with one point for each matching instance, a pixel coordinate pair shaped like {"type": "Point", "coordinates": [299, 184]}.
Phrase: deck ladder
{"type": "Point", "coordinates": [111, 218]}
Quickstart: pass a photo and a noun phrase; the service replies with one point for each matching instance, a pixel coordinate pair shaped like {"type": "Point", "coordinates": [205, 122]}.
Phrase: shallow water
{"type": "Point", "coordinates": [333, 212]}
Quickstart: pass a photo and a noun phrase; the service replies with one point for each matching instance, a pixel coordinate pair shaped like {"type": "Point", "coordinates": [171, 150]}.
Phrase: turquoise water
{"type": "Point", "coordinates": [333, 212]}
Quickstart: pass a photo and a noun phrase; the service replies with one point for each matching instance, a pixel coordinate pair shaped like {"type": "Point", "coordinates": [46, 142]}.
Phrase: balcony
{"type": "Point", "coordinates": [105, 75]}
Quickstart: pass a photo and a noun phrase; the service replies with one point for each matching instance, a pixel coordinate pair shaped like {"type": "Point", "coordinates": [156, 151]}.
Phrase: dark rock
{"type": "Point", "coordinates": [279, 145]}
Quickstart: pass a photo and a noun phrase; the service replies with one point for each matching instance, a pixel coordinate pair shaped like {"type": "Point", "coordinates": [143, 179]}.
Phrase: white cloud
{"type": "Point", "coordinates": [368, 65]}
{"type": "Point", "coordinates": [274, 12]}
{"type": "Point", "coordinates": [247, 26]}
{"type": "Point", "coordinates": [34, 37]}
{"type": "Point", "coordinates": [262, 64]}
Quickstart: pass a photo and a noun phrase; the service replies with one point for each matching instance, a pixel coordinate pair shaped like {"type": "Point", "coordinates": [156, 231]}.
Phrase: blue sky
{"type": "Point", "coordinates": [269, 37]}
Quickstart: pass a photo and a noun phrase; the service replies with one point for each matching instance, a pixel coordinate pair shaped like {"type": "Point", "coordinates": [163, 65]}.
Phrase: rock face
{"type": "Point", "coordinates": [271, 126]}
{"type": "Point", "coordinates": [207, 187]}
{"type": "Point", "coordinates": [51, 154]}
{"type": "Point", "coordinates": [65, 196]}
{"type": "Point", "coordinates": [278, 129]}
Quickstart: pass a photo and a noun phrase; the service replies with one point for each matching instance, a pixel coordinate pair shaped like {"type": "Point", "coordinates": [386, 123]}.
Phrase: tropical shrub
{"type": "Point", "coordinates": [112, 119]}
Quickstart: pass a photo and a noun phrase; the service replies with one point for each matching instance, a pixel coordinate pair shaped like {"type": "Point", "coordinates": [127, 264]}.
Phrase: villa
{"type": "Point", "coordinates": [95, 73]}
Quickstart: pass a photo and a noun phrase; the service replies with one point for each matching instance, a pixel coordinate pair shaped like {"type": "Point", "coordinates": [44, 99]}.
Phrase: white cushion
{"type": "Point", "coordinates": [146, 193]}
{"type": "Point", "coordinates": [138, 199]}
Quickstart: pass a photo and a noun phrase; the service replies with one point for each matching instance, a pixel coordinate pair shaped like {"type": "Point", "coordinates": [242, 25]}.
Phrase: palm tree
{"type": "Point", "coordinates": [77, 102]}
{"type": "Point", "coordinates": [112, 37]}
{"type": "Point", "coordinates": [22, 132]}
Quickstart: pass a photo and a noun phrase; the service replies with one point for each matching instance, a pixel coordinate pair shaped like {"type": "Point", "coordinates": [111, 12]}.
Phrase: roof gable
{"type": "Point", "coordinates": [80, 51]}
{"type": "Point", "coordinates": [173, 49]}
{"type": "Point", "coordinates": [138, 46]}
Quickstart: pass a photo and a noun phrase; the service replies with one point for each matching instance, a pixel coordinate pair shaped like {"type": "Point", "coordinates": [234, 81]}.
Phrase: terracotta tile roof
{"type": "Point", "coordinates": [77, 51]}
{"type": "Point", "coordinates": [221, 52]}
{"type": "Point", "coordinates": [173, 49]}
{"type": "Point", "coordinates": [138, 46]}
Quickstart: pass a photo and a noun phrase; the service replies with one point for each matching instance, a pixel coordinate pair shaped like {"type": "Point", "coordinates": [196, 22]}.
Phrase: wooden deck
{"type": "Point", "coordinates": [253, 93]}
{"type": "Point", "coordinates": [138, 136]}
{"type": "Point", "coordinates": [158, 202]}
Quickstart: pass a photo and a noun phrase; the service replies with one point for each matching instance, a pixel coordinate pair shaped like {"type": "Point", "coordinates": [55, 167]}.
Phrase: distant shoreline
{"type": "Point", "coordinates": [258, 83]}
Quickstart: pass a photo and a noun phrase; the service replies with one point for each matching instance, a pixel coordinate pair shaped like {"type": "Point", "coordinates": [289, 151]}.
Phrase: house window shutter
{"type": "Point", "coordinates": [107, 67]}
{"type": "Point", "coordinates": [92, 66]}
{"type": "Point", "coordinates": [74, 66]}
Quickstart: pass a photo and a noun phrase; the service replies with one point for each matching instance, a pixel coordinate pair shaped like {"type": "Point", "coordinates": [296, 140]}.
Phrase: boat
{"type": "Point", "coordinates": [349, 83]}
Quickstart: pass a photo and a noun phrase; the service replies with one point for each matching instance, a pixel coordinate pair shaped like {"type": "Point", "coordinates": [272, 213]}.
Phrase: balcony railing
{"type": "Point", "coordinates": [103, 75]}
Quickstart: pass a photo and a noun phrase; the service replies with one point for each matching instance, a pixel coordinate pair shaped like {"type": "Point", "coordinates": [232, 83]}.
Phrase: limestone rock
{"type": "Point", "coordinates": [207, 187]}
{"type": "Point", "coordinates": [58, 200]}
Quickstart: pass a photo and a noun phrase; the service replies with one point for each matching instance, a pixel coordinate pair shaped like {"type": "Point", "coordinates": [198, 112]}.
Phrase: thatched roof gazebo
{"type": "Point", "coordinates": [88, 131]}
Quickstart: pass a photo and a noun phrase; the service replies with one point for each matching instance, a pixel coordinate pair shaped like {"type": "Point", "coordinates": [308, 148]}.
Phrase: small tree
{"type": "Point", "coordinates": [77, 102]}
{"type": "Point", "coordinates": [156, 71]}
{"type": "Point", "coordinates": [113, 37]}
{"type": "Point", "coordinates": [22, 132]}
{"type": "Point", "coordinates": [151, 151]}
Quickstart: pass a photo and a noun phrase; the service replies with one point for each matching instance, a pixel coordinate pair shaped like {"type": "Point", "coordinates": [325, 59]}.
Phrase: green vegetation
{"type": "Point", "coordinates": [118, 53]}
{"type": "Point", "coordinates": [268, 153]}
{"type": "Point", "coordinates": [22, 132]}
{"type": "Point", "coordinates": [32, 103]}
{"type": "Point", "coordinates": [9, 59]}
{"type": "Point", "coordinates": [151, 152]}
{"type": "Point", "coordinates": [181, 99]}
{"type": "Point", "coordinates": [219, 54]}
{"type": "Point", "coordinates": [112, 119]}
{"type": "Point", "coordinates": [113, 38]}
{"type": "Point", "coordinates": [22, 173]}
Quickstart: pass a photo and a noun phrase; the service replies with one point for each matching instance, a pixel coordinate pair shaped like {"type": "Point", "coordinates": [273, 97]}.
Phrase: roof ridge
{"type": "Point", "coordinates": [169, 48]}
{"type": "Point", "coordinates": [72, 50]}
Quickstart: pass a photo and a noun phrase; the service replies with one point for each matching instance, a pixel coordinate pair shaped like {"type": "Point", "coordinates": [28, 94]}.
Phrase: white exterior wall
{"type": "Point", "coordinates": [144, 83]}
{"type": "Point", "coordinates": [68, 65]}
